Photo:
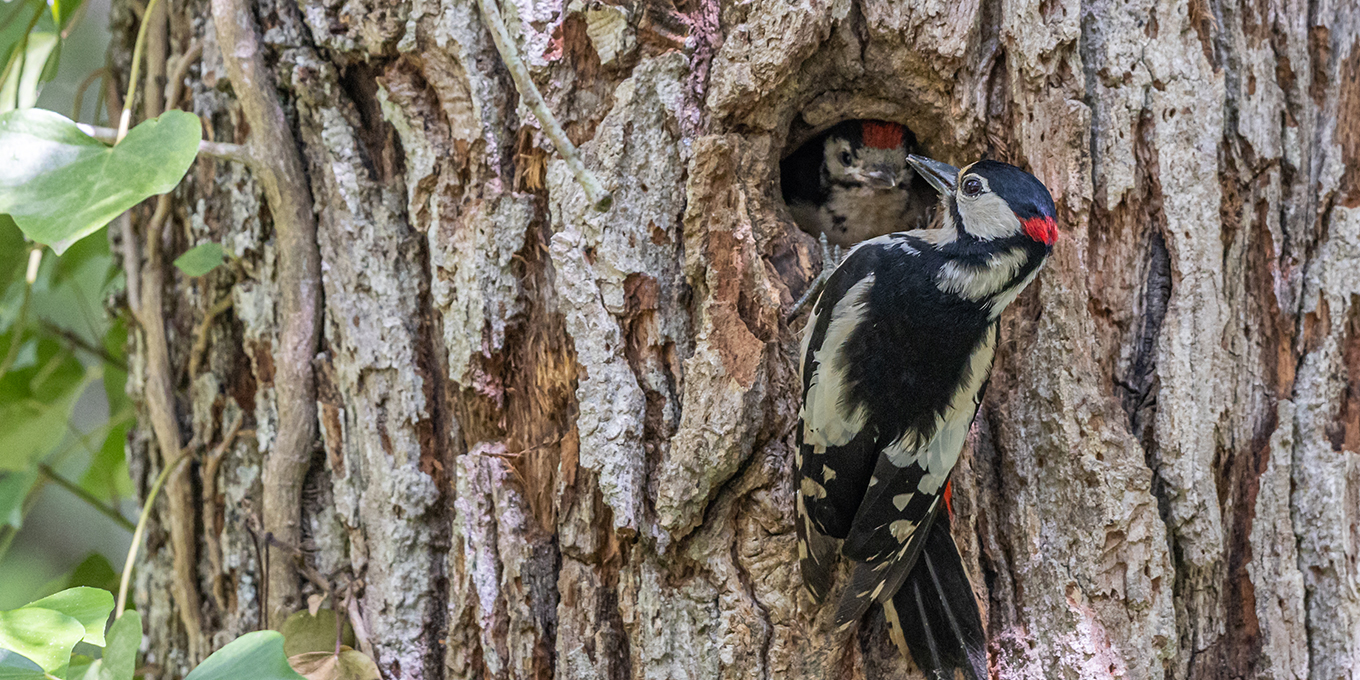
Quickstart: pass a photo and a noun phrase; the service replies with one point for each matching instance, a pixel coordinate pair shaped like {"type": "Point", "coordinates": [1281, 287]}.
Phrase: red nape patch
{"type": "Point", "coordinates": [1041, 229]}
{"type": "Point", "coordinates": [882, 135]}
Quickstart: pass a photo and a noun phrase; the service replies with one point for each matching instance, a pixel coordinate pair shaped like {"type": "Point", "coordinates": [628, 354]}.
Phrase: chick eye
{"type": "Point", "coordinates": [845, 158]}
{"type": "Point", "coordinates": [972, 186]}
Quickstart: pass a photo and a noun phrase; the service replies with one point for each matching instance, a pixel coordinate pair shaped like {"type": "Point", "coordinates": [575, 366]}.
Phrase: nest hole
{"type": "Point", "coordinates": [851, 181]}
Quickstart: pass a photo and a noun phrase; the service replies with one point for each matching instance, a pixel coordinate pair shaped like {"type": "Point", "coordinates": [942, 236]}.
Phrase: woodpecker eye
{"type": "Point", "coordinates": [972, 186]}
{"type": "Point", "coordinates": [845, 158]}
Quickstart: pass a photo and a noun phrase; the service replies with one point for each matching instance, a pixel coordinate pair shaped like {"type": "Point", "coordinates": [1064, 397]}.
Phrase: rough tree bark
{"type": "Point", "coordinates": [554, 442]}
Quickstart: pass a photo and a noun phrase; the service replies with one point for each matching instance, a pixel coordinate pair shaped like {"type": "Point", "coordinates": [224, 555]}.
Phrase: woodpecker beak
{"type": "Point", "coordinates": [879, 178]}
{"type": "Point", "coordinates": [942, 176]}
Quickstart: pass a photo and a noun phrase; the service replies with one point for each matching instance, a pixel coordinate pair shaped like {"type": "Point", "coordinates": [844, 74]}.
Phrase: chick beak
{"type": "Point", "coordinates": [880, 178]}
{"type": "Point", "coordinates": [942, 176]}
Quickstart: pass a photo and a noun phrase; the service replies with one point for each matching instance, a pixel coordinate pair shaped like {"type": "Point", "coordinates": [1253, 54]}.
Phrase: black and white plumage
{"type": "Point", "coordinates": [852, 183]}
{"type": "Point", "coordinates": [895, 360]}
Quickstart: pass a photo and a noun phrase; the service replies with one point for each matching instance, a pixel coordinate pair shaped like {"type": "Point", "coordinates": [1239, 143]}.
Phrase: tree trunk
{"type": "Point", "coordinates": [557, 443]}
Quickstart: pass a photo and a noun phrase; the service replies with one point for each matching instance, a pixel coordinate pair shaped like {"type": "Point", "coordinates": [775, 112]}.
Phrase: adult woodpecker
{"type": "Point", "coordinates": [852, 183]}
{"type": "Point", "coordinates": [896, 356]}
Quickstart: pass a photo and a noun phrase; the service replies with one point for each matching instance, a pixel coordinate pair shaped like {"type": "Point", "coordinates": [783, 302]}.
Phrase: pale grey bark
{"type": "Point", "coordinates": [555, 442]}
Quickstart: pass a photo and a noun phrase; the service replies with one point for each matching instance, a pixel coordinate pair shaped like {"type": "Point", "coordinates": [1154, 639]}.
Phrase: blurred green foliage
{"type": "Point", "coordinates": [64, 417]}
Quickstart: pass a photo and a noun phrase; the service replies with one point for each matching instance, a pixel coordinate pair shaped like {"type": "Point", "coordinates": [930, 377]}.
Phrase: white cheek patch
{"type": "Point", "coordinates": [828, 420]}
{"type": "Point", "coordinates": [975, 282]}
{"type": "Point", "coordinates": [988, 217]}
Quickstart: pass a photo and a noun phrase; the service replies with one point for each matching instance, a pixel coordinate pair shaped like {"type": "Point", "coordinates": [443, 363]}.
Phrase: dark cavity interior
{"type": "Point", "coordinates": [854, 201]}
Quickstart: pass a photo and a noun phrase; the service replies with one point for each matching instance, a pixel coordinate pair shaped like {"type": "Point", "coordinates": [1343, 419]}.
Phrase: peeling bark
{"type": "Point", "coordinates": [556, 443]}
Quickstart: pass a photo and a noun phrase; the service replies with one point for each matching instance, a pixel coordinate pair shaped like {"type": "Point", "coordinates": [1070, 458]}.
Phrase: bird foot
{"type": "Point", "coordinates": [831, 258]}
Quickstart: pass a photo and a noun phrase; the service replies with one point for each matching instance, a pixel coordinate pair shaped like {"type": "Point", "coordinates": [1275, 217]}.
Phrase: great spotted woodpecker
{"type": "Point", "coordinates": [895, 358]}
{"type": "Point", "coordinates": [852, 183]}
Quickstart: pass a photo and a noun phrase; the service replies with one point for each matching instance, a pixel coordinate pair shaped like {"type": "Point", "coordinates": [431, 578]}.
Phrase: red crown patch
{"type": "Point", "coordinates": [882, 135]}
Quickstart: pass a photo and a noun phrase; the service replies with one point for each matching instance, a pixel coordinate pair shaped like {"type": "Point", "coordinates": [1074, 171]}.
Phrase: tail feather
{"type": "Point", "coordinates": [934, 616]}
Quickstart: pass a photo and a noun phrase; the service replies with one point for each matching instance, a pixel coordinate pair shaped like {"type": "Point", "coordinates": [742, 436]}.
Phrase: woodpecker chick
{"type": "Point", "coordinates": [852, 183]}
{"type": "Point", "coordinates": [896, 356]}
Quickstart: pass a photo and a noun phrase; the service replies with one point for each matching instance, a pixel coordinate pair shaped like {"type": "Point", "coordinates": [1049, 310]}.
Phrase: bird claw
{"type": "Point", "coordinates": [831, 258]}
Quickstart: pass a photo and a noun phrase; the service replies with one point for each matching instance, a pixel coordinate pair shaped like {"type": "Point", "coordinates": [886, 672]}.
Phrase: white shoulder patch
{"type": "Point", "coordinates": [940, 454]}
{"type": "Point", "coordinates": [827, 419]}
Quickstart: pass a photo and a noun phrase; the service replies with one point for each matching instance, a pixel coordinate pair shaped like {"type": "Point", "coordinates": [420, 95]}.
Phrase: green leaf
{"type": "Point", "coordinates": [31, 428]}
{"type": "Point", "coordinates": [13, 253]}
{"type": "Point", "coordinates": [82, 668]}
{"type": "Point", "coordinates": [258, 656]}
{"type": "Point", "coordinates": [120, 655]}
{"type": "Point", "coordinates": [71, 289]}
{"type": "Point", "coordinates": [107, 478]}
{"type": "Point", "coordinates": [63, 11]}
{"type": "Point", "coordinates": [24, 82]}
{"type": "Point", "coordinates": [349, 664]}
{"type": "Point", "coordinates": [115, 342]}
{"type": "Point", "coordinates": [14, 22]}
{"type": "Point", "coordinates": [90, 606]}
{"type": "Point", "coordinates": [201, 259]}
{"type": "Point", "coordinates": [14, 488]}
{"type": "Point", "coordinates": [96, 572]}
{"type": "Point", "coordinates": [61, 185]}
{"type": "Point", "coordinates": [303, 633]}
{"type": "Point", "coordinates": [15, 666]}
{"type": "Point", "coordinates": [43, 635]}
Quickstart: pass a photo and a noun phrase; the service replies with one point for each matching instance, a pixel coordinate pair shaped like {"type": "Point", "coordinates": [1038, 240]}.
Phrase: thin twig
{"type": "Point", "coordinates": [176, 79]}
{"type": "Point", "coordinates": [104, 508]}
{"type": "Point", "coordinates": [210, 468]}
{"type": "Point", "coordinates": [356, 622]}
{"type": "Point", "coordinates": [138, 532]}
{"type": "Point", "coordinates": [218, 150]}
{"type": "Point", "coordinates": [201, 335]}
{"type": "Point", "coordinates": [100, 73]}
{"type": "Point", "coordinates": [599, 198]}
{"type": "Point", "coordinates": [281, 174]}
{"type": "Point", "coordinates": [137, 48]}
{"type": "Point", "coordinates": [84, 345]}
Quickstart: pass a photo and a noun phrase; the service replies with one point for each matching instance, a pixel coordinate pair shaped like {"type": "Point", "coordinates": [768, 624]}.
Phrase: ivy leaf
{"type": "Point", "coordinates": [120, 655]}
{"type": "Point", "coordinates": [14, 488]}
{"type": "Point", "coordinates": [16, 666]}
{"type": "Point", "coordinates": [22, 85]}
{"type": "Point", "coordinates": [89, 606]}
{"type": "Point", "coordinates": [61, 185]}
{"type": "Point", "coordinates": [107, 478]}
{"type": "Point", "coordinates": [14, 20]}
{"type": "Point", "coordinates": [43, 635]}
{"type": "Point", "coordinates": [349, 664]}
{"type": "Point", "coordinates": [201, 259]}
{"type": "Point", "coordinates": [303, 633]}
{"type": "Point", "coordinates": [65, 10]}
{"type": "Point", "coordinates": [258, 656]}
{"type": "Point", "coordinates": [33, 426]}
{"type": "Point", "coordinates": [13, 254]}
{"type": "Point", "coordinates": [94, 571]}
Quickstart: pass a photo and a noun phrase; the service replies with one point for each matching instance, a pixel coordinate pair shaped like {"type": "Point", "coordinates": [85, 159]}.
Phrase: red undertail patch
{"type": "Point", "coordinates": [880, 135]}
{"type": "Point", "coordinates": [1041, 229]}
{"type": "Point", "coordinates": [949, 499]}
